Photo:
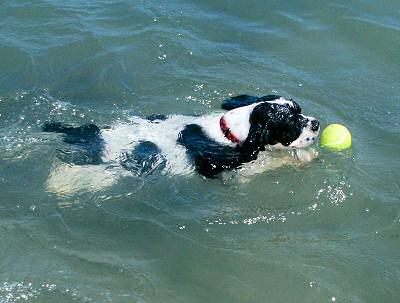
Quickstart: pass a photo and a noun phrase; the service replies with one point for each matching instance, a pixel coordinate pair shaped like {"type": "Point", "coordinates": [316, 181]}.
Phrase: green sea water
{"type": "Point", "coordinates": [328, 231]}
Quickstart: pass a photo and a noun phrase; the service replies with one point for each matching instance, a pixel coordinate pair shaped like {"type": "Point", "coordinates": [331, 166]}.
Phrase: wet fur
{"type": "Point", "coordinates": [266, 122]}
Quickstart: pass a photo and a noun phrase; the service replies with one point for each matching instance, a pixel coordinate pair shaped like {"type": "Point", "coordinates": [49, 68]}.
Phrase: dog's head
{"type": "Point", "coordinates": [280, 124]}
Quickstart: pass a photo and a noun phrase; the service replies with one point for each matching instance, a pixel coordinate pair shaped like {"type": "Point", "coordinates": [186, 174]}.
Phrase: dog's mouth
{"type": "Point", "coordinates": [315, 133]}
{"type": "Point", "coordinates": [307, 137]}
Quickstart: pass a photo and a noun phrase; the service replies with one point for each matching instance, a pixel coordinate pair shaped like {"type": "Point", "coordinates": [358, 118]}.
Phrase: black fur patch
{"type": "Point", "coordinates": [210, 157]}
{"type": "Point", "coordinates": [86, 145]}
{"type": "Point", "coordinates": [244, 100]}
{"type": "Point", "coordinates": [156, 117]}
{"type": "Point", "coordinates": [144, 159]}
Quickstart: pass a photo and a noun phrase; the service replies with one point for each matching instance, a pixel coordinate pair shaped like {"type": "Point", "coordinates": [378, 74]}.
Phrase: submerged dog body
{"type": "Point", "coordinates": [208, 144]}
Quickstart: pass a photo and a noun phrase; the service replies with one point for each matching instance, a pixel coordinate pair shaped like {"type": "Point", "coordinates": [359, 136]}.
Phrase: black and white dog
{"type": "Point", "coordinates": [176, 144]}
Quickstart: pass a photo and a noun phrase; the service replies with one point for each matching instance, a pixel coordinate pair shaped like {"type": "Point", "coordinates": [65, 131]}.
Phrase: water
{"type": "Point", "coordinates": [324, 232]}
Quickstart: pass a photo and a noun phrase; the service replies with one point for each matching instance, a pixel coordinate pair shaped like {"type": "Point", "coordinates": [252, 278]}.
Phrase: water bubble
{"type": "Point", "coordinates": [313, 207]}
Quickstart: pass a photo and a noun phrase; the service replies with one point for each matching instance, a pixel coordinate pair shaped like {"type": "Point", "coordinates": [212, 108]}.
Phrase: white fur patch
{"type": "Point", "coordinates": [238, 120]}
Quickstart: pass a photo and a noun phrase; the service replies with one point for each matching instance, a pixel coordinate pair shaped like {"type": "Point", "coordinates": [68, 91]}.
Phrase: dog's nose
{"type": "Point", "coordinates": [314, 125]}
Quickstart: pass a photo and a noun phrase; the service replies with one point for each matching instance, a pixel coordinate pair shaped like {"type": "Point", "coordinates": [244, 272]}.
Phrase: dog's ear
{"type": "Point", "coordinates": [238, 101]}
{"type": "Point", "coordinates": [258, 137]}
{"type": "Point", "coordinates": [264, 124]}
{"type": "Point", "coordinates": [259, 122]}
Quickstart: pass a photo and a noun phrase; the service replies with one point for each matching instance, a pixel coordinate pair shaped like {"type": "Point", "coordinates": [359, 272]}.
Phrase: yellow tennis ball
{"type": "Point", "coordinates": [335, 137]}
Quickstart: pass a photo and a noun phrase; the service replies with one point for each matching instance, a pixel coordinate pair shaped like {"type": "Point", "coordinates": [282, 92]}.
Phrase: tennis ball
{"type": "Point", "coordinates": [336, 137]}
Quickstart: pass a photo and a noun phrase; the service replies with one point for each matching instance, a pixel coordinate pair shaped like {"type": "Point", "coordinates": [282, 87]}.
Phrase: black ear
{"type": "Point", "coordinates": [261, 120]}
{"type": "Point", "coordinates": [256, 140]}
{"type": "Point", "coordinates": [238, 101]}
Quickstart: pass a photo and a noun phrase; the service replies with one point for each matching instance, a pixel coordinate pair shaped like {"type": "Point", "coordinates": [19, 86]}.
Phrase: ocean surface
{"type": "Point", "coordinates": [327, 231]}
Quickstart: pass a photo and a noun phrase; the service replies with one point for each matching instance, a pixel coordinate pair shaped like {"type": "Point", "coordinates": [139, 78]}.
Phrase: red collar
{"type": "Point", "coordinates": [227, 132]}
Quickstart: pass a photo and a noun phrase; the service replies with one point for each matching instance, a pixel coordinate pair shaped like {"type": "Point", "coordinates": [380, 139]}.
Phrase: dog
{"type": "Point", "coordinates": [209, 144]}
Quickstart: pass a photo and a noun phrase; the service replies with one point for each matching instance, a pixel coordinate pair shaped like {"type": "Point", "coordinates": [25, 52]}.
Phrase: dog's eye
{"type": "Point", "coordinates": [296, 107]}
